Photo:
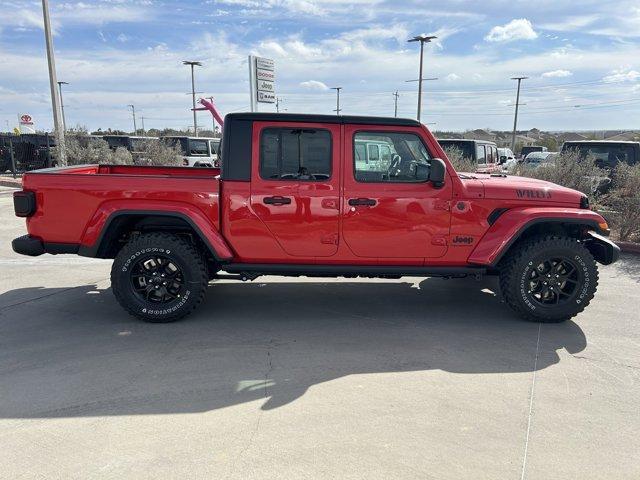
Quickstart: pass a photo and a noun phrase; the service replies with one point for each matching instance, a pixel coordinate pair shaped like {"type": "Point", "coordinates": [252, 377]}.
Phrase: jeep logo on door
{"type": "Point", "coordinates": [462, 240]}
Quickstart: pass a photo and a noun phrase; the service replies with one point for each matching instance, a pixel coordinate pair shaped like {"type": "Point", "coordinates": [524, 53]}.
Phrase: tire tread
{"type": "Point", "coordinates": [155, 239]}
{"type": "Point", "coordinates": [508, 274]}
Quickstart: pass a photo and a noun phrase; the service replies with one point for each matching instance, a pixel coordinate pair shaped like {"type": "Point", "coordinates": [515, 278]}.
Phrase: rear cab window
{"type": "Point", "coordinates": [295, 154]}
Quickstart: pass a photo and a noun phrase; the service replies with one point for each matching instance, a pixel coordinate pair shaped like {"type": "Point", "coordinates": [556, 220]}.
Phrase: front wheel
{"type": "Point", "coordinates": [549, 279]}
{"type": "Point", "coordinates": [159, 277]}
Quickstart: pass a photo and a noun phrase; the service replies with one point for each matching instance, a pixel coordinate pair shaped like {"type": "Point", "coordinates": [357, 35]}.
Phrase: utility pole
{"type": "Point", "coordinates": [337, 89]}
{"type": "Point", "coordinates": [422, 39]}
{"type": "Point", "coordinates": [53, 81]}
{"type": "Point", "coordinates": [395, 108]}
{"type": "Point", "coordinates": [143, 130]}
{"type": "Point", "coordinates": [133, 112]}
{"type": "Point", "coordinates": [193, 93]}
{"type": "Point", "coordinates": [515, 118]}
{"type": "Point", "coordinates": [64, 120]}
{"type": "Point", "coordinates": [278, 100]}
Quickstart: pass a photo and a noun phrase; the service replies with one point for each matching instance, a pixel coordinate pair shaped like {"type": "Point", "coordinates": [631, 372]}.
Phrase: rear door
{"type": "Point", "coordinates": [391, 210]}
{"type": "Point", "coordinates": [295, 180]}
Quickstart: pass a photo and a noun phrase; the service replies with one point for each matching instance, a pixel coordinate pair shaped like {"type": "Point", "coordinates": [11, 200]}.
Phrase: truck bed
{"type": "Point", "coordinates": [74, 203]}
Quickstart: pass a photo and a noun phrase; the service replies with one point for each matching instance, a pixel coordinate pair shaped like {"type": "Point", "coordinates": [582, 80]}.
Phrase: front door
{"type": "Point", "coordinates": [295, 185]}
{"type": "Point", "coordinates": [390, 209]}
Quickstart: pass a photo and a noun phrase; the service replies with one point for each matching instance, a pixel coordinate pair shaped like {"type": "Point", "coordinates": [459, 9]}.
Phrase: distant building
{"type": "Point", "coordinates": [571, 136]}
{"type": "Point", "coordinates": [624, 137]}
{"type": "Point", "coordinates": [525, 140]}
{"type": "Point", "coordinates": [480, 134]}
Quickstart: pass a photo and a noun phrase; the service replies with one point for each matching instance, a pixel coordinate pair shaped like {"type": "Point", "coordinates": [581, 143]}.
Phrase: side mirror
{"type": "Point", "coordinates": [503, 159]}
{"type": "Point", "coordinates": [437, 172]}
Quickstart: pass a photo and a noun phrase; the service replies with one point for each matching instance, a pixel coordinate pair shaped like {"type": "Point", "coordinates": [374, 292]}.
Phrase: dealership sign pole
{"type": "Point", "coordinates": [55, 99]}
{"type": "Point", "coordinates": [262, 79]}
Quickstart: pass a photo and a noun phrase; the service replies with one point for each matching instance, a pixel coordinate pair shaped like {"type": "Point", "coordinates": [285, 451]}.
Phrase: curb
{"type": "Point", "coordinates": [11, 182]}
{"type": "Point", "coordinates": [629, 247]}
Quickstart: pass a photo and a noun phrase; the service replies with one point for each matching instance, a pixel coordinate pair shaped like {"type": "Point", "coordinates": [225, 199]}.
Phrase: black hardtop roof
{"type": "Point", "coordinates": [626, 142]}
{"type": "Point", "coordinates": [313, 118]}
{"type": "Point", "coordinates": [465, 140]}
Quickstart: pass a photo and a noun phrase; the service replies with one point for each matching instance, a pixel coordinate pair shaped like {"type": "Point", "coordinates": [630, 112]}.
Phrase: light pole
{"type": "Point", "coordinates": [55, 99]}
{"type": "Point", "coordinates": [133, 113]}
{"type": "Point", "coordinates": [337, 89]}
{"type": "Point", "coordinates": [515, 118]}
{"type": "Point", "coordinates": [395, 99]}
{"type": "Point", "coordinates": [422, 39]}
{"type": "Point", "coordinates": [64, 120]}
{"type": "Point", "coordinates": [193, 93]}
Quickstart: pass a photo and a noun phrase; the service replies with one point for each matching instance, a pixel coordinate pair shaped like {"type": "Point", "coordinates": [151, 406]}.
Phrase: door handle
{"type": "Point", "coordinates": [276, 200]}
{"type": "Point", "coordinates": [362, 202]}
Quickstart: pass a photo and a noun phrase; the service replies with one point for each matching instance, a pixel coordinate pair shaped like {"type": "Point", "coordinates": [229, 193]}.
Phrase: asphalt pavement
{"type": "Point", "coordinates": [311, 379]}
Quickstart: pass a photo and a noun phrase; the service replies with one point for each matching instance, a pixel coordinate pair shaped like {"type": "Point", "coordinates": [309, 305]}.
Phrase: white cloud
{"type": "Point", "coordinates": [122, 38]}
{"type": "Point", "coordinates": [452, 77]}
{"type": "Point", "coordinates": [314, 85]}
{"type": "Point", "coordinates": [517, 29]}
{"type": "Point", "coordinates": [622, 75]}
{"type": "Point", "coordinates": [557, 74]}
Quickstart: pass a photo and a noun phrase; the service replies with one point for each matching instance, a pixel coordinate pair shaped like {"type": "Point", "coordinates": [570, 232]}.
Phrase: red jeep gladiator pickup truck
{"type": "Point", "coordinates": [315, 195]}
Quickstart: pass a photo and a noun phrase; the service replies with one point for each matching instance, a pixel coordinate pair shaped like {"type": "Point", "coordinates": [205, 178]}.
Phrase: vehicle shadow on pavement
{"type": "Point", "coordinates": [74, 352]}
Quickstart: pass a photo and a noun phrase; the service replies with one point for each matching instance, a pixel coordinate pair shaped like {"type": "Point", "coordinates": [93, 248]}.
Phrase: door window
{"type": "Point", "coordinates": [295, 154]}
{"type": "Point", "coordinates": [480, 154]}
{"type": "Point", "coordinates": [393, 158]}
{"type": "Point", "coordinates": [198, 147]}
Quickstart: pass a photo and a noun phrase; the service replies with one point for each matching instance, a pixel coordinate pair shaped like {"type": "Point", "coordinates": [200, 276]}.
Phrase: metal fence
{"type": "Point", "coordinates": [21, 153]}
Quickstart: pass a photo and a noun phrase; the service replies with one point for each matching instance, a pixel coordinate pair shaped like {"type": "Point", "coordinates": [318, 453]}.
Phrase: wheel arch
{"type": "Point", "coordinates": [575, 228]}
{"type": "Point", "coordinates": [515, 226]}
{"type": "Point", "coordinates": [119, 226]}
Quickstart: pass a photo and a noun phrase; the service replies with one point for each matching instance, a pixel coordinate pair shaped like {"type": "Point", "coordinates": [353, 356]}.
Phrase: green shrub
{"type": "Point", "coordinates": [568, 170]}
{"type": "Point", "coordinates": [624, 202]}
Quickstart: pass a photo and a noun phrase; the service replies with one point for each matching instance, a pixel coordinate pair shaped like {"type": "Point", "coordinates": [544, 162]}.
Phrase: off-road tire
{"type": "Point", "coordinates": [517, 266]}
{"type": "Point", "coordinates": [185, 256]}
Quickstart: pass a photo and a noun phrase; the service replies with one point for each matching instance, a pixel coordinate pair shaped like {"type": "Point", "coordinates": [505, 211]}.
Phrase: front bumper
{"type": "Point", "coordinates": [603, 250]}
{"type": "Point", "coordinates": [33, 246]}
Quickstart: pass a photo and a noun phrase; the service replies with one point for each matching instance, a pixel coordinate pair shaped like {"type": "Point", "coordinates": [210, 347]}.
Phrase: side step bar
{"type": "Point", "coordinates": [250, 271]}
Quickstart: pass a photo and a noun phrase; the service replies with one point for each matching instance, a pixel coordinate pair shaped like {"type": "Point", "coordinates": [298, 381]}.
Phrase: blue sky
{"type": "Point", "coordinates": [583, 62]}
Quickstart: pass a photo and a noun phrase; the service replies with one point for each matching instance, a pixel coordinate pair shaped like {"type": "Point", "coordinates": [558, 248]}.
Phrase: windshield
{"type": "Point", "coordinates": [467, 149]}
{"type": "Point", "coordinates": [528, 150]}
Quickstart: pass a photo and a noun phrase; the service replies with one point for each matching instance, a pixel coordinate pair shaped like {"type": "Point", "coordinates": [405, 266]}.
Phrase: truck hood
{"type": "Point", "coordinates": [521, 188]}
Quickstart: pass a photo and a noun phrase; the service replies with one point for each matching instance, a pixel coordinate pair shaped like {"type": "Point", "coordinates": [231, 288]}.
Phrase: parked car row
{"type": "Point", "coordinates": [31, 151]}
{"type": "Point", "coordinates": [195, 151]}
{"type": "Point", "coordinates": [34, 151]}
{"type": "Point", "coordinates": [489, 159]}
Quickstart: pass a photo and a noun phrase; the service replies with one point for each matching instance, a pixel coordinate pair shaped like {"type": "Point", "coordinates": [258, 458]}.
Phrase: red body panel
{"type": "Point", "coordinates": [511, 222]}
{"type": "Point", "coordinates": [75, 203]}
{"type": "Point", "coordinates": [410, 223]}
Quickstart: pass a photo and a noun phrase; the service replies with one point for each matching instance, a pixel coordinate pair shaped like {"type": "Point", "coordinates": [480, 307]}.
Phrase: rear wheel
{"type": "Point", "coordinates": [159, 277]}
{"type": "Point", "coordinates": [549, 279]}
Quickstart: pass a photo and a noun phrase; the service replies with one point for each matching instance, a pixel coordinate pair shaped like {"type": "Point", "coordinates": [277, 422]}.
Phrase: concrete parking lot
{"type": "Point", "coordinates": [311, 379]}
